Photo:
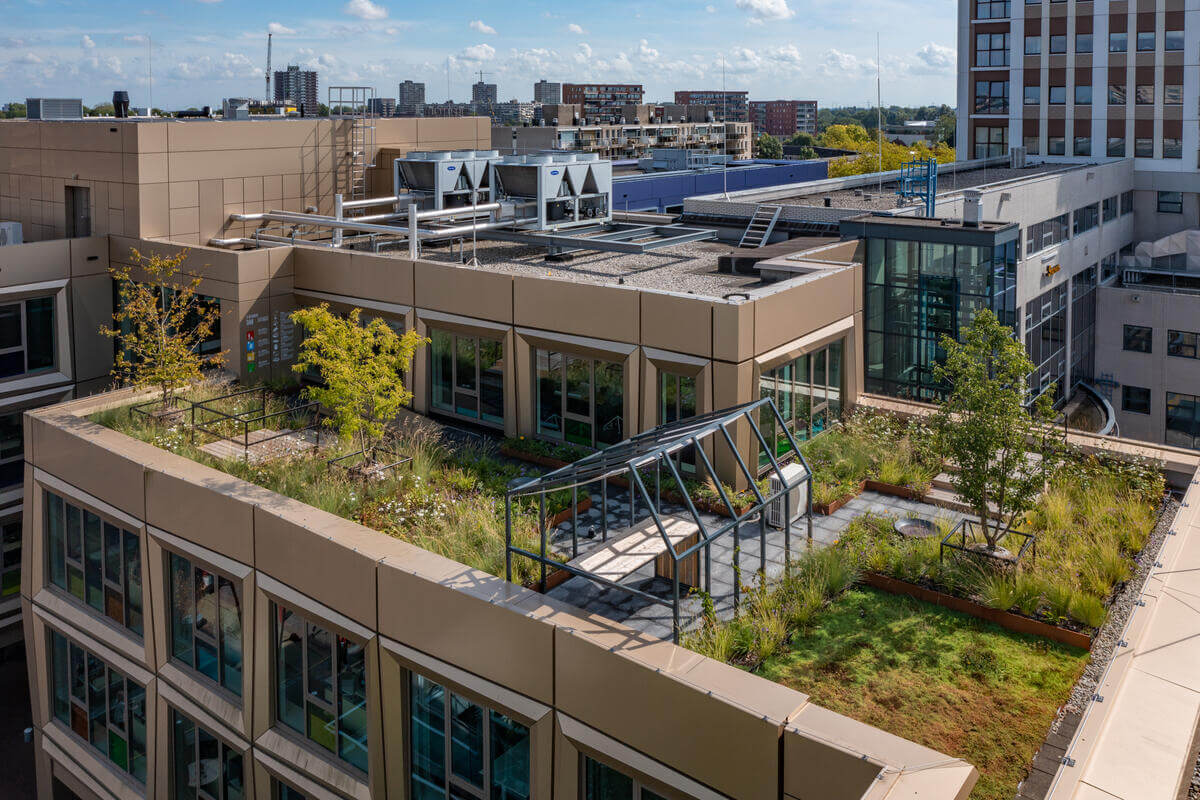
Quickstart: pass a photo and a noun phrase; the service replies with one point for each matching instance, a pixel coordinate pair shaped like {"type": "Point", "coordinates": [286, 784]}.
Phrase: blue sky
{"type": "Point", "coordinates": [204, 50]}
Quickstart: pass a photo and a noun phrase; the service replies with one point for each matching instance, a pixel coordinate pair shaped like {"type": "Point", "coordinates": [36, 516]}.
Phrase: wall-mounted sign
{"type": "Point", "coordinates": [1052, 268]}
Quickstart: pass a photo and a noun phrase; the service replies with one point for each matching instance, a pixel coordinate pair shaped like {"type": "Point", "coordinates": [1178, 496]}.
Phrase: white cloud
{"type": "Point", "coordinates": [477, 52]}
{"type": "Point", "coordinates": [227, 66]}
{"type": "Point", "coordinates": [711, 9]}
{"type": "Point", "coordinates": [646, 52]}
{"type": "Point", "coordinates": [208, 1]}
{"type": "Point", "coordinates": [576, 29]}
{"type": "Point", "coordinates": [87, 43]}
{"type": "Point", "coordinates": [762, 10]}
{"type": "Point", "coordinates": [365, 9]}
{"type": "Point", "coordinates": [279, 29]}
{"type": "Point", "coordinates": [935, 58]}
{"type": "Point", "coordinates": [136, 38]}
{"type": "Point", "coordinates": [482, 27]}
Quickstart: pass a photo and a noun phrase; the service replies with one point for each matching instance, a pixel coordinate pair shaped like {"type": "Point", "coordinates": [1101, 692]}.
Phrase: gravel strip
{"type": "Point", "coordinates": [1105, 642]}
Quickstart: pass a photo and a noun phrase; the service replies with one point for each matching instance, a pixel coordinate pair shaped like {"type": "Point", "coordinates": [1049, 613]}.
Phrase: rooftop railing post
{"type": "Point", "coordinates": [575, 521]}
{"type": "Point", "coordinates": [339, 213]}
{"type": "Point", "coordinates": [658, 483]}
{"type": "Point", "coordinates": [762, 543]}
{"type": "Point", "coordinates": [604, 509]}
{"type": "Point", "coordinates": [808, 491]}
{"type": "Point", "coordinates": [787, 526]}
{"type": "Point", "coordinates": [414, 240]}
{"type": "Point", "coordinates": [675, 627]}
{"type": "Point", "coordinates": [507, 539]}
{"type": "Point", "coordinates": [737, 566]}
{"type": "Point", "coordinates": [632, 500]}
{"type": "Point", "coordinates": [542, 528]}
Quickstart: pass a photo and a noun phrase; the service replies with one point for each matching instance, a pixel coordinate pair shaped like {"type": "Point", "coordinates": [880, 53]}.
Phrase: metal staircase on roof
{"type": "Point", "coordinates": [758, 232]}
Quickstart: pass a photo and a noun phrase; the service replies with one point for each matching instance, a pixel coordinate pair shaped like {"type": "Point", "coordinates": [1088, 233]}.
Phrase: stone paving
{"type": "Point", "coordinates": [655, 619]}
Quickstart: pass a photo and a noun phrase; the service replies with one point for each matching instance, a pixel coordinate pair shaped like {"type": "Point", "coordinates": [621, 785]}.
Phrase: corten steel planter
{"type": "Point", "coordinates": [893, 489]}
{"type": "Point", "coordinates": [825, 509]}
{"type": "Point", "coordinates": [1005, 619]}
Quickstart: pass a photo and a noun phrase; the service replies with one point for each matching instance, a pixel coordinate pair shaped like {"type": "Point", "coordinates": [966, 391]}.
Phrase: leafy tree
{"type": "Point", "coordinates": [802, 139]}
{"type": "Point", "coordinates": [1003, 449]}
{"type": "Point", "coordinates": [322, 110]}
{"type": "Point", "coordinates": [101, 110]}
{"type": "Point", "coordinates": [947, 124]}
{"type": "Point", "coordinates": [846, 137]}
{"type": "Point", "coordinates": [361, 366]}
{"type": "Point", "coordinates": [767, 146]}
{"type": "Point", "coordinates": [806, 152]}
{"type": "Point", "coordinates": [14, 111]}
{"type": "Point", "coordinates": [160, 324]}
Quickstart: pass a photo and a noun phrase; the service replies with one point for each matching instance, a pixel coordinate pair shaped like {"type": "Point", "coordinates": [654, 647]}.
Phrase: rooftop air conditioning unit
{"type": "Point", "coordinates": [792, 473]}
{"type": "Point", "coordinates": [1016, 158]}
{"type": "Point", "coordinates": [10, 233]}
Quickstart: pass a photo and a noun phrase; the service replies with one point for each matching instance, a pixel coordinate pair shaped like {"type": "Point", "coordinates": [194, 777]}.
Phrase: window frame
{"type": "Point", "coordinates": [1118, 42]}
{"type": "Point", "coordinates": [10, 555]}
{"type": "Point", "coordinates": [638, 789]}
{"type": "Point", "coordinates": [1180, 342]}
{"type": "Point", "coordinates": [1135, 408]}
{"type": "Point", "coordinates": [1131, 335]}
{"type": "Point", "coordinates": [125, 730]}
{"type": "Point", "coordinates": [224, 749]}
{"type": "Point", "coordinates": [217, 642]}
{"type": "Point", "coordinates": [24, 325]}
{"type": "Point", "coordinates": [564, 414]}
{"type": "Point", "coordinates": [1146, 41]}
{"type": "Point", "coordinates": [132, 608]}
{"type": "Point", "coordinates": [1169, 202]}
{"type": "Point", "coordinates": [477, 342]}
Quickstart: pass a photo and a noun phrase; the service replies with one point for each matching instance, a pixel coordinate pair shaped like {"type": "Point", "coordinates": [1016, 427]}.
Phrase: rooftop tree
{"type": "Point", "coordinates": [361, 366]}
{"type": "Point", "coordinates": [159, 324]}
{"type": "Point", "coordinates": [1003, 445]}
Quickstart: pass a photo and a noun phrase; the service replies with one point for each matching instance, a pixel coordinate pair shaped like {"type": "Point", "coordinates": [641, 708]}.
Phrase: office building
{"type": "Point", "coordinates": [483, 97]}
{"type": "Point", "coordinates": [601, 103]}
{"type": "Point", "coordinates": [546, 92]}
{"type": "Point", "coordinates": [410, 99]}
{"type": "Point", "coordinates": [727, 106]}
{"type": "Point", "coordinates": [381, 106]}
{"type": "Point", "coordinates": [624, 139]}
{"type": "Point", "coordinates": [784, 117]}
{"type": "Point", "coordinates": [514, 112]}
{"type": "Point", "coordinates": [299, 87]}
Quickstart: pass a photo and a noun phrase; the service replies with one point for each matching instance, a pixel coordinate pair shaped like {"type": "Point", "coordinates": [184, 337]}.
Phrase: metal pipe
{"type": "Point", "coordinates": [371, 201]}
{"type": "Point", "coordinates": [338, 214]}
{"type": "Point", "coordinates": [354, 224]}
{"type": "Point", "coordinates": [437, 213]}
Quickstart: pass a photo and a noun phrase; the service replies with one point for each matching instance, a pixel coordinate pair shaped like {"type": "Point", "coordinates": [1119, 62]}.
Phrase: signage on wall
{"type": "Point", "coordinates": [1052, 268]}
{"type": "Point", "coordinates": [250, 351]}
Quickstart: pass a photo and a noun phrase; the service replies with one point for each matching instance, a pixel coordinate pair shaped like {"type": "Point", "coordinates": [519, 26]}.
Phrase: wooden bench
{"type": "Point", "coordinates": [630, 549]}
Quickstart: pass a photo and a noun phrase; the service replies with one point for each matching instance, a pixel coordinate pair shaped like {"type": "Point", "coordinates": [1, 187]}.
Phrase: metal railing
{"type": "Point", "coordinates": [244, 423]}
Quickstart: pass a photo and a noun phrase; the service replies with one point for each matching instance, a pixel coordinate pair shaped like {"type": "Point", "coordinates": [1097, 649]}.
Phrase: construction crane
{"type": "Point", "coordinates": [267, 97]}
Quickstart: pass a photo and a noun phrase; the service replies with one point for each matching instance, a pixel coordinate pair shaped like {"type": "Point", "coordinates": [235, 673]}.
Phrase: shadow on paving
{"type": "Point", "coordinates": [18, 781]}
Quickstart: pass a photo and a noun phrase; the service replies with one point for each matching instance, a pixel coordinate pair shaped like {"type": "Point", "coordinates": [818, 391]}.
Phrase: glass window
{"type": "Point", "coordinates": [12, 450]}
{"type": "Point", "coordinates": [991, 9]}
{"type": "Point", "coordinates": [1173, 40]}
{"type": "Point", "coordinates": [807, 392]}
{"type": "Point", "coordinates": [1118, 42]}
{"type": "Point", "coordinates": [1126, 203]}
{"type": "Point", "coordinates": [580, 400]}
{"type": "Point", "coordinates": [95, 561]}
{"type": "Point", "coordinates": [1033, 95]}
{"type": "Point", "coordinates": [321, 690]}
{"type": "Point", "coordinates": [463, 748]}
{"type": "Point", "coordinates": [1033, 45]}
{"type": "Point", "coordinates": [602, 782]}
{"type": "Point", "coordinates": [1109, 208]}
{"type": "Point", "coordinates": [1170, 202]}
{"type": "Point", "coordinates": [1138, 339]}
{"type": "Point", "coordinates": [1058, 95]}
{"type": "Point", "coordinates": [1032, 145]}
{"type": "Point", "coordinates": [1083, 43]}
{"type": "Point", "coordinates": [1182, 344]}
{"type": "Point", "coordinates": [1172, 148]}
{"type": "Point", "coordinates": [206, 622]}
{"type": "Point", "coordinates": [991, 50]}
{"type": "Point", "coordinates": [1116, 94]}
{"type": "Point", "coordinates": [10, 558]}
{"type": "Point", "coordinates": [1183, 420]}
{"type": "Point", "coordinates": [1086, 218]}
{"type": "Point", "coordinates": [1145, 41]}
{"type": "Point", "coordinates": [99, 704]}
{"type": "Point", "coordinates": [1143, 148]}
{"type": "Point", "coordinates": [281, 791]}
{"type": "Point", "coordinates": [1173, 94]}
{"type": "Point", "coordinates": [1144, 96]}
{"type": "Point", "coordinates": [1083, 145]}
{"type": "Point", "coordinates": [1116, 147]}
{"type": "Point", "coordinates": [27, 341]}
{"type": "Point", "coordinates": [1058, 44]}
{"type": "Point", "coordinates": [1135, 399]}
{"type": "Point", "coordinates": [1083, 96]}
{"type": "Point", "coordinates": [202, 766]}
{"type": "Point", "coordinates": [1056, 146]}
{"type": "Point", "coordinates": [991, 97]}
{"type": "Point", "coordinates": [467, 376]}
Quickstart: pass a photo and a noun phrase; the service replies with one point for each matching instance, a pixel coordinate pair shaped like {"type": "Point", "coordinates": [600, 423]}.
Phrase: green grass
{"type": "Point", "coordinates": [943, 679]}
{"type": "Point", "coordinates": [447, 501]}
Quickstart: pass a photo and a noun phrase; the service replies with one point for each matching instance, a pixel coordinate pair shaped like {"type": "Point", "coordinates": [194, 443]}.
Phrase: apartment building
{"type": "Point", "coordinates": [410, 99]}
{"type": "Point", "coordinates": [602, 102]}
{"type": "Point", "coordinates": [546, 92]}
{"type": "Point", "coordinates": [298, 86]}
{"type": "Point", "coordinates": [727, 106]}
{"type": "Point", "coordinates": [784, 117]}
{"type": "Point", "coordinates": [483, 97]}
{"type": "Point", "coordinates": [624, 140]}
{"type": "Point", "coordinates": [381, 106]}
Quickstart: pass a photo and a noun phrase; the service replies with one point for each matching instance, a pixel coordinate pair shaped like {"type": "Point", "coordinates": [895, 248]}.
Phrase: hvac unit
{"type": "Point", "coordinates": [1016, 157]}
{"type": "Point", "coordinates": [792, 473]}
{"type": "Point", "coordinates": [10, 233]}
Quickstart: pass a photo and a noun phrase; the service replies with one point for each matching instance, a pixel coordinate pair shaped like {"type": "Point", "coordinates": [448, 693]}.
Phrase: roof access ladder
{"type": "Point", "coordinates": [761, 226]}
{"type": "Point", "coordinates": [356, 103]}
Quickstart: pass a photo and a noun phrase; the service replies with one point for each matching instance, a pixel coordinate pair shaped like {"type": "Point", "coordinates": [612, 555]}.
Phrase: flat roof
{"type": "Point", "coordinates": [873, 197]}
{"type": "Point", "coordinates": [689, 268]}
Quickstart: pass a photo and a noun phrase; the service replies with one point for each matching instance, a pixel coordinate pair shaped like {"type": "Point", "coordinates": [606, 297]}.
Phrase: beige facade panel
{"type": "Point", "coordinates": [603, 312]}
{"type": "Point", "coordinates": [819, 302]}
{"type": "Point", "coordinates": [91, 309]}
{"type": "Point", "coordinates": [35, 262]}
{"type": "Point", "coordinates": [204, 506]}
{"type": "Point", "coordinates": [464, 617]}
{"type": "Point", "coordinates": [675, 322]}
{"type": "Point", "coordinates": [440, 287]}
{"type": "Point", "coordinates": [733, 331]}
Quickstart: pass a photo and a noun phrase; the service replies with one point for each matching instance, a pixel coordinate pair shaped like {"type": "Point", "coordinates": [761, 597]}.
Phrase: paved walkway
{"type": "Point", "coordinates": [656, 618]}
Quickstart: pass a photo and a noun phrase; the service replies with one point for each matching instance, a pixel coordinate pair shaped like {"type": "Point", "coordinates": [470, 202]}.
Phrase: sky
{"type": "Point", "coordinates": [200, 51]}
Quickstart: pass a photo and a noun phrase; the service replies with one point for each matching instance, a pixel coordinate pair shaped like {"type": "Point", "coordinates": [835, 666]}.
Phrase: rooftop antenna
{"type": "Point", "coordinates": [267, 96]}
{"type": "Point", "coordinates": [724, 135]}
{"type": "Point", "coordinates": [150, 74]}
{"type": "Point", "coordinates": [879, 109]}
{"type": "Point", "coordinates": [447, 84]}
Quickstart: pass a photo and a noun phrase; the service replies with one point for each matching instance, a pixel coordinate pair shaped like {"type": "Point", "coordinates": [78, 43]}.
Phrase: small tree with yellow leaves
{"type": "Point", "coordinates": [159, 325]}
{"type": "Point", "coordinates": [361, 366]}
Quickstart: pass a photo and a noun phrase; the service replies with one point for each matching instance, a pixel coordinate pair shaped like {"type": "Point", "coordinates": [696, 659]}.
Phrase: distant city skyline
{"type": "Point", "coordinates": [204, 50]}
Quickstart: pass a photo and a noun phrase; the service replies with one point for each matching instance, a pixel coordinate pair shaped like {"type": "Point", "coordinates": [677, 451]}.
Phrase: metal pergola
{"type": "Point", "coordinates": [658, 450]}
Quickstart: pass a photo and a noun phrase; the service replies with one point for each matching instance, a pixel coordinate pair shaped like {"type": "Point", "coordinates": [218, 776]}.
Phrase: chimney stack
{"type": "Point", "coordinates": [972, 208]}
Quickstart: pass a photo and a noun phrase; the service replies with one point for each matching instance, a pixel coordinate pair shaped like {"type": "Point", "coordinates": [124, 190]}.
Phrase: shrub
{"type": "Point", "coordinates": [1058, 595]}
{"type": "Point", "coordinates": [999, 591]}
{"type": "Point", "coordinates": [1028, 591]}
